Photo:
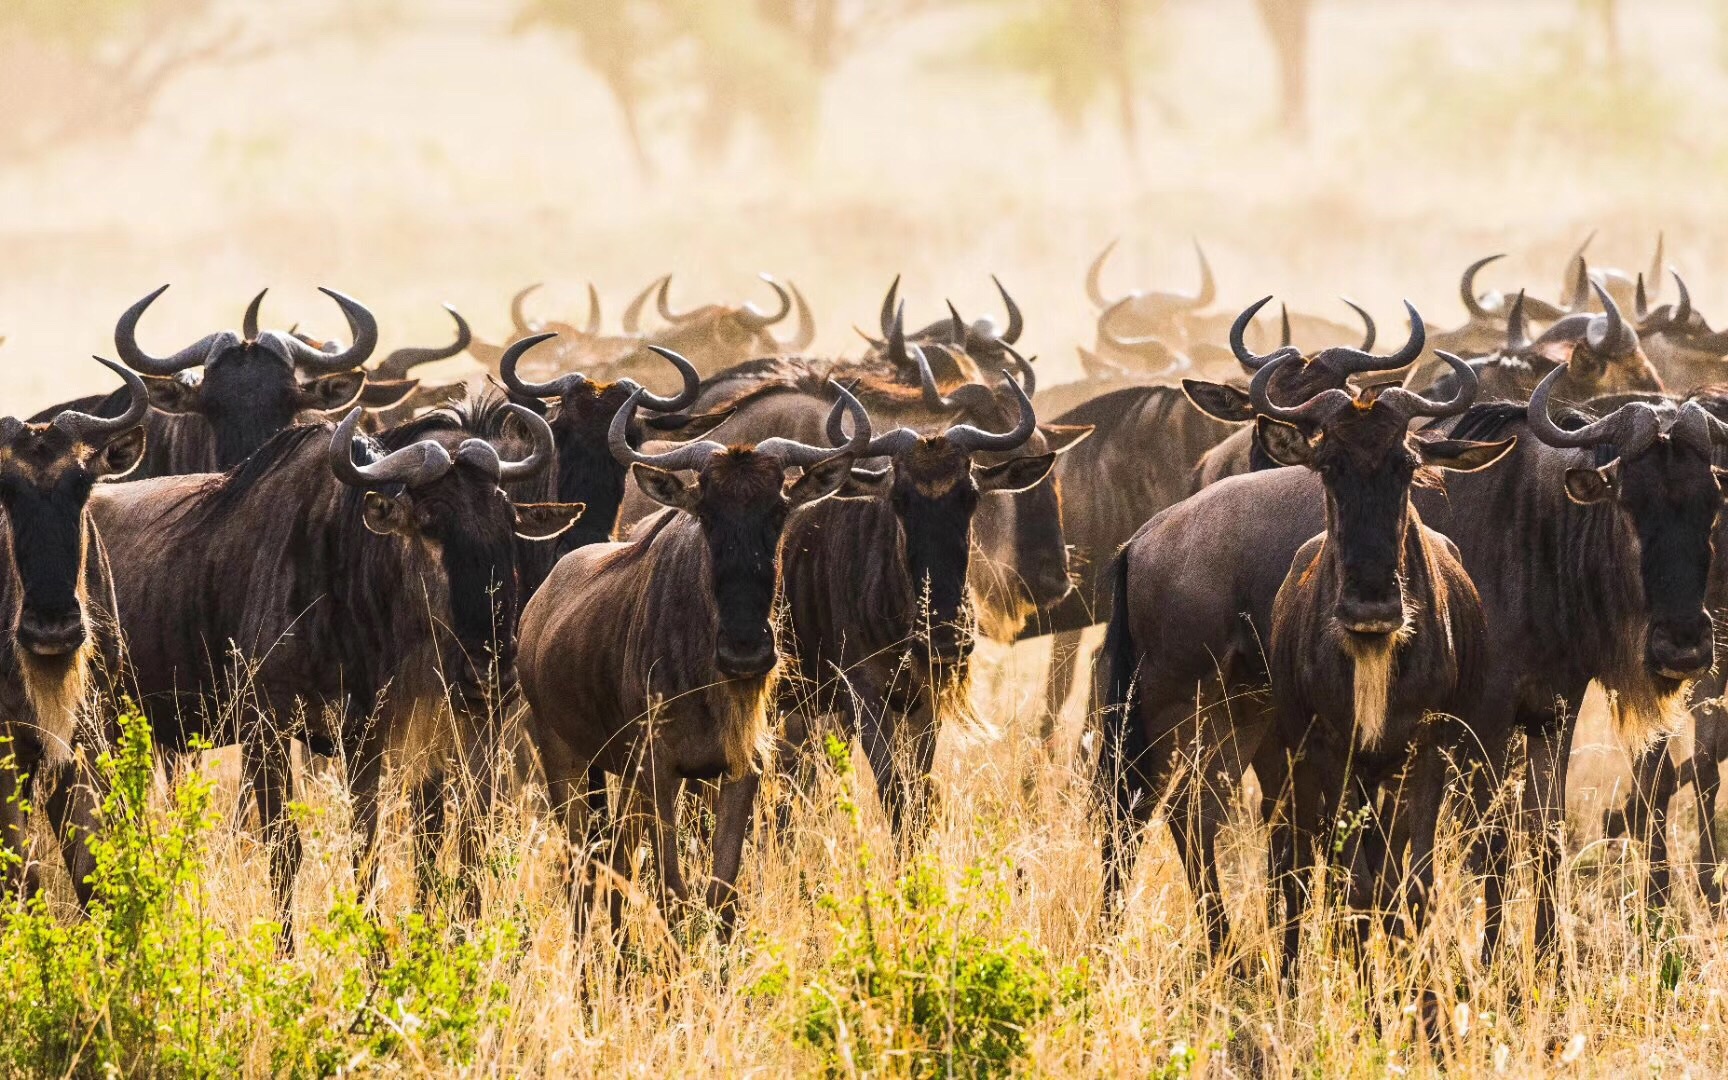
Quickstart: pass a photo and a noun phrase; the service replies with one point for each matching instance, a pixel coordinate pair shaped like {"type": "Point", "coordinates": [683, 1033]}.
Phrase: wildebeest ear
{"type": "Point", "coordinates": [1220, 401]}
{"type": "Point", "coordinates": [1463, 455]}
{"type": "Point", "coordinates": [1062, 438]}
{"type": "Point", "coordinates": [384, 514]}
{"type": "Point", "coordinates": [1283, 443]}
{"type": "Point", "coordinates": [820, 480]}
{"type": "Point", "coordinates": [121, 454]}
{"type": "Point", "coordinates": [1593, 485]}
{"type": "Point", "coordinates": [329, 393]}
{"type": "Point", "coordinates": [1015, 474]}
{"type": "Point", "coordinates": [172, 394]}
{"type": "Point", "coordinates": [677, 427]}
{"type": "Point", "coordinates": [665, 488]}
{"type": "Point", "coordinates": [543, 521]}
{"type": "Point", "coordinates": [1096, 367]}
{"type": "Point", "coordinates": [387, 393]}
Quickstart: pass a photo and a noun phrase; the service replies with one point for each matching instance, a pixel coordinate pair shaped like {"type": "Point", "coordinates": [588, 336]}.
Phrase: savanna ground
{"type": "Point", "coordinates": [427, 154]}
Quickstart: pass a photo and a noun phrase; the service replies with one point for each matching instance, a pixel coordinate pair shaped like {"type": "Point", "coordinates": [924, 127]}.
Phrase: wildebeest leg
{"type": "Point", "coordinates": [427, 801]}
{"type": "Point", "coordinates": [737, 805]}
{"type": "Point", "coordinates": [73, 807]}
{"type": "Point", "coordinates": [1628, 819]}
{"type": "Point", "coordinates": [1651, 816]}
{"type": "Point", "coordinates": [1301, 828]}
{"type": "Point", "coordinates": [1707, 781]}
{"type": "Point", "coordinates": [22, 876]}
{"type": "Point", "coordinates": [566, 781]}
{"type": "Point", "coordinates": [364, 749]}
{"type": "Point", "coordinates": [264, 765]}
{"type": "Point", "coordinates": [1418, 819]}
{"type": "Point", "coordinates": [1058, 683]}
{"type": "Point", "coordinates": [480, 759]}
{"type": "Point", "coordinates": [873, 720]}
{"type": "Point", "coordinates": [666, 785]}
{"type": "Point", "coordinates": [1545, 805]}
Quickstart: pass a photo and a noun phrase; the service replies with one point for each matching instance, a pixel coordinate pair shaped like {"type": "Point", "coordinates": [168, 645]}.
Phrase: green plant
{"type": "Point", "coordinates": [924, 978]}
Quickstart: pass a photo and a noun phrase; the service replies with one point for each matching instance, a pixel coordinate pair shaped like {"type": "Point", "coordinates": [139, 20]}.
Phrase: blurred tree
{"type": "Point", "coordinates": [73, 72]}
{"type": "Point", "coordinates": [732, 62]}
{"type": "Point", "coordinates": [1287, 25]}
{"type": "Point", "coordinates": [1080, 52]}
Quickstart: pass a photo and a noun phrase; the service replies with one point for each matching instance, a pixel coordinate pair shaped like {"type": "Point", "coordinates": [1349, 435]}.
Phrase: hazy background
{"type": "Point", "coordinates": [412, 153]}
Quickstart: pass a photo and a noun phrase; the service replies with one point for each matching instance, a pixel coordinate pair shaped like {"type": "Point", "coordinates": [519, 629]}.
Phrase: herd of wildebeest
{"type": "Point", "coordinates": [689, 551]}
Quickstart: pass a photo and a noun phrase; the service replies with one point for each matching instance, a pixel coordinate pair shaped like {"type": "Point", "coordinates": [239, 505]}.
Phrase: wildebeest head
{"type": "Point", "coordinates": [1297, 377]}
{"type": "Point", "coordinates": [1491, 311]}
{"type": "Point", "coordinates": [1617, 283]}
{"type": "Point", "coordinates": [246, 388]}
{"type": "Point", "coordinates": [1361, 445]}
{"type": "Point", "coordinates": [580, 414]}
{"type": "Point", "coordinates": [1678, 340]}
{"type": "Point", "coordinates": [982, 343]}
{"type": "Point", "coordinates": [1598, 354]}
{"type": "Point", "coordinates": [1658, 477]}
{"type": "Point", "coordinates": [718, 335]}
{"type": "Point", "coordinates": [444, 494]}
{"type": "Point", "coordinates": [1151, 313]}
{"type": "Point", "coordinates": [46, 473]}
{"type": "Point", "coordinates": [934, 483]}
{"type": "Point", "coordinates": [740, 497]}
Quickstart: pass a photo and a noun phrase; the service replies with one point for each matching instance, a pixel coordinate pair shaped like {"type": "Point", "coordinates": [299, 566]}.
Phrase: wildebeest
{"type": "Point", "coordinates": [1486, 329]}
{"type": "Point", "coordinates": [1377, 631]}
{"type": "Point", "coordinates": [981, 342]}
{"type": "Point", "coordinates": [1679, 341]}
{"type": "Point", "coordinates": [391, 394]}
{"type": "Point", "coordinates": [368, 605]}
{"type": "Point", "coordinates": [1328, 369]}
{"type": "Point", "coordinates": [1023, 557]}
{"type": "Point", "coordinates": [713, 336]}
{"type": "Point", "coordinates": [60, 652]}
{"type": "Point", "coordinates": [654, 658]}
{"type": "Point", "coordinates": [580, 412]}
{"type": "Point", "coordinates": [219, 399]}
{"type": "Point", "coordinates": [876, 590]}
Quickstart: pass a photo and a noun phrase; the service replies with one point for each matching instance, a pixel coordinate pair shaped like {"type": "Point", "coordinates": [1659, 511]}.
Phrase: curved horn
{"type": "Point", "coordinates": [1240, 327]}
{"type": "Point", "coordinates": [1569, 276]}
{"type": "Point", "coordinates": [685, 397]}
{"type": "Point", "coordinates": [1093, 291]}
{"type": "Point", "coordinates": [933, 397]}
{"type": "Point", "coordinates": [1608, 332]}
{"type": "Point", "coordinates": [361, 325]}
{"type": "Point", "coordinates": [1357, 361]}
{"type": "Point", "coordinates": [752, 319]}
{"type": "Point", "coordinates": [1283, 325]}
{"type": "Point", "coordinates": [419, 463]}
{"type": "Point", "coordinates": [1410, 404]}
{"type": "Point", "coordinates": [806, 334]}
{"type": "Point", "coordinates": [1312, 411]}
{"type": "Point", "coordinates": [957, 325]}
{"type": "Point", "coordinates": [539, 457]}
{"type": "Point", "coordinates": [249, 321]}
{"type": "Point", "coordinates": [662, 302]}
{"type": "Point", "coordinates": [1656, 262]}
{"type": "Point", "coordinates": [1016, 323]}
{"type": "Point", "coordinates": [399, 363]}
{"type": "Point", "coordinates": [94, 429]}
{"type": "Point", "coordinates": [1028, 377]}
{"type": "Point", "coordinates": [1467, 288]}
{"type": "Point", "coordinates": [556, 388]}
{"type": "Point", "coordinates": [633, 313]}
{"type": "Point", "coordinates": [1683, 306]}
{"type": "Point", "coordinates": [1208, 288]}
{"type": "Point", "coordinates": [593, 328]}
{"type": "Point", "coordinates": [1368, 329]}
{"type": "Point", "coordinates": [1630, 428]}
{"type": "Point", "coordinates": [803, 455]}
{"type": "Point", "coordinates": [976, 440]}
{"type": "Point", "coordinates": [1516, 339]}
{"type": "Point", "coordinates": [691, 455]}
{"type": "Point", "coordinates": [199, 352]}
{"type": "Point", "coordinates": [518, 320]}
{"type": "Point", "coordinates": [1580, 297]}
{"type": "Point", "coordinates": [1640, 301]}
{"type": "Point", "coordinates": [897, 338]}
{"type": "Point", "coordinates": [889, 306]}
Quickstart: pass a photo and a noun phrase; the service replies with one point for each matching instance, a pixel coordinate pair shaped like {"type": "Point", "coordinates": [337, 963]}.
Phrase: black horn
{"type": "Point", "coordinates": [199, 352]}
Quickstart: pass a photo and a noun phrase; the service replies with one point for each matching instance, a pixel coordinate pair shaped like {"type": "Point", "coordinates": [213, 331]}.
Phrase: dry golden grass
{"type": "Point", "coordinates": [452, 162]}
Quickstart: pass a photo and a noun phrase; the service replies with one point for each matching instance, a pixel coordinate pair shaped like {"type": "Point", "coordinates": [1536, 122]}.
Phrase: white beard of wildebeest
{"type": "Point", "coordinates": [48, 540]}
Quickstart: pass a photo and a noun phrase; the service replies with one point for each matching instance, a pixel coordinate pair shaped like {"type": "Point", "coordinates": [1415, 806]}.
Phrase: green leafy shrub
{"type": "Point", "coordinates": [148, 985]}
{"type": "Point", "coordinates": [923, 979]}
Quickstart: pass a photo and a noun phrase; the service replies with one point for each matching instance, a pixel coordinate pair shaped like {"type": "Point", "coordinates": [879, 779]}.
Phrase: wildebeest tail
{"type": "Point", "coordinates": [1123, 746]}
